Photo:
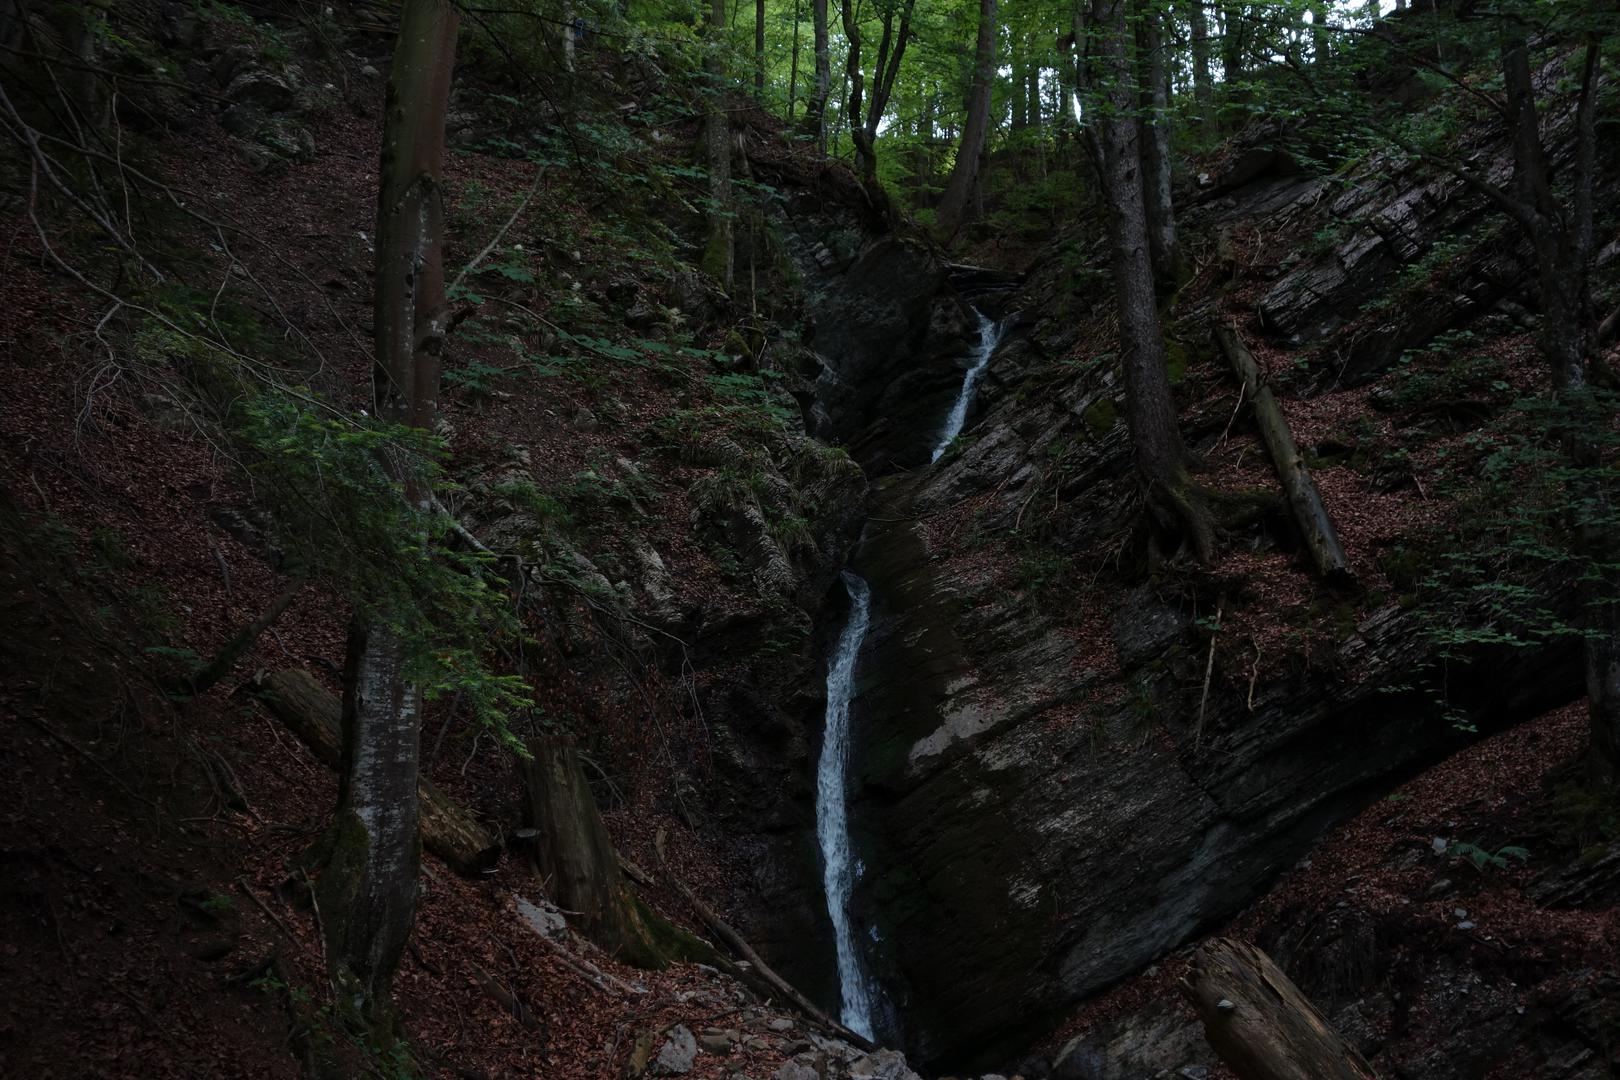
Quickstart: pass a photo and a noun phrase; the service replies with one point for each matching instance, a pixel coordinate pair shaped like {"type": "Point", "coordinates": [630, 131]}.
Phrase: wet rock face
{"type": "Point", "coordinates": [1016, 864]}
{"type": "Point", "coordinates": [891, 342]}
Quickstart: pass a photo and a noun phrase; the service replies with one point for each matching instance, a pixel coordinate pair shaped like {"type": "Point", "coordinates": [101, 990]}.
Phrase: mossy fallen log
{"type": "Point", "coordinates": [1260, 1023]}
{"type": "Point", "coordinates": [315, 715]}
{"type": "Point", "coordinates": [580, 868]}
{"type": "Point", "coordinates": [1315, 526]}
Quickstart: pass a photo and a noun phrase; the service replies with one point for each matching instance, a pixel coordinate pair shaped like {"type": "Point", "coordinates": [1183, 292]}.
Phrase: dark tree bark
{"type": "Point", "coordinates": [1562, 235]}
{"type": "Point", "coordinates": [759, 48]}
{"type": "Point", "coordinates": [719, 256]}
{"type": "Point", "coordinates": [815, 109]}
{"type": "Point", "coordinates": [891, 49]}
{"type": "Point", "coordinates": [964, 179]}
{"type": "Point", "coordinates": [1019, 87]}
{"type": "Point", "coordinates": [1033, 74]}
{"type": "Point", "coordinates": [1258, 1021]}
{"type": "Point", "coordinates": [1319, 35]}
{"type": "Point", "coordinates": [220, 666]}
{"type": "Point", "coordinates": [578, 864]}
{"type": "Point", "coordinates": [793, 64]}
{"type": "Point", "coordinates": [1234, 43]}
{"type": "Point", "coordinates": [1198, 21]}
{"type": "Point", "coordinates": [1154, 96]}
{"type": "Point", "coordinates": [1176, 507]}
{"type": "Point", "coordinates": [1315, 526]}
{"type": "Point", "coordinates": [367, 888]}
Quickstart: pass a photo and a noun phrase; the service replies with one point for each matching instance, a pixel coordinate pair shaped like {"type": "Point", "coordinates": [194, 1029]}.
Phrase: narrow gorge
{"type": "Point", "coordinates": [929, 539]}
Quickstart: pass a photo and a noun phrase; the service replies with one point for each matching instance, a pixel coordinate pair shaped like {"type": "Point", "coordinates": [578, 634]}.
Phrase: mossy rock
{"type": "Point", "coordinates": [1100, 417]}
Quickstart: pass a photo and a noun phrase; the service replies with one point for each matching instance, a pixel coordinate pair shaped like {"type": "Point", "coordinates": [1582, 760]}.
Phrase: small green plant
{"type": "Point", "coordinates": [1481, 858]}
{"type": "Point", "coordinates": [217, 904]}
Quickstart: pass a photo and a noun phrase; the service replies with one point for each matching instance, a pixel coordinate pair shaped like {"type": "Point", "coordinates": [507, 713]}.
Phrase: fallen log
{"type": "Point", "coordinates": [1260, 1023]}
{"type": "Point", "coordinates": [759, 967]}
{"type": "Point", "coordinates": [1315, 526]}
{"type": "Point", "coordinates": [315, 715]}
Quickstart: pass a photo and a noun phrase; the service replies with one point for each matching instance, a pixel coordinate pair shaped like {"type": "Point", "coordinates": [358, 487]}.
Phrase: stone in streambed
{"type": "Point", "coordinates": [676, 1056]}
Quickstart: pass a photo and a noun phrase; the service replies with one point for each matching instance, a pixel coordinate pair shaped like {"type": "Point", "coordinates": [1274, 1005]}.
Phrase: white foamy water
{"type": "Point", "coordinates": [989, 338]}
{"type": "Point", "coordinates": [832, 817]}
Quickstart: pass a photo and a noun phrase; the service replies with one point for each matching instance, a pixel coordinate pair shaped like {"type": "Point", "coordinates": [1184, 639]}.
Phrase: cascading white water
{"type": "Point", "coordinates": [989, 338]}
{"type": "Point", "coordinates": [832, 819]}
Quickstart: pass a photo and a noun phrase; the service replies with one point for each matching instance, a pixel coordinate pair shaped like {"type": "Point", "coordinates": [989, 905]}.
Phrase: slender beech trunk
{"type": "Point", "coordinates": [367, 888]}
{"type": "Point", "coordinates": [1154, 98]}
{"type": "Point", "coordinates": [719, 257]}
{"type": "Point", "coordinates": [759, 48]}
{"type": "Point", "coordinates": [1233, 43]}
{"type": "Point", "coordinates": [864, 123]}
{"type": "Point", "coordinates": [1198, 20]}
{"type": "Point", "coordinates": [1019, 88]}
{"type": "Point", "coordinates": [1175, 506]}
{"type": "Point", "coordinates": [793, 63]}
{"type": "Point", "coordinates": [964, 179]}
{"type": "Point", "coordinates": [815, 109]}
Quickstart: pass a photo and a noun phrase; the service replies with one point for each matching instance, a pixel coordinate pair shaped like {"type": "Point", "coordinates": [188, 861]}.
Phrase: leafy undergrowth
{"type": "Point", "coordinates": [602, 400]}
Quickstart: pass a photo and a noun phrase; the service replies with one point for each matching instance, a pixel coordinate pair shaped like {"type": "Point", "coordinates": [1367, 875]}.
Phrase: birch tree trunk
{"type": "Point", "coordinates": [959, 189]}
{"type": "Point", "coordinates": [368, 887]}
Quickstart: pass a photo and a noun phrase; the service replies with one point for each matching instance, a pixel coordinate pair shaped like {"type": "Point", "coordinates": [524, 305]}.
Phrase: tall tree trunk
{"type": "Point", "coordinates": [1233, 43]}
{"type": "Point", "coordinates": [1198, 20]}
{"type": "Point", "coordinates": [1154, 98]}
{"type": "Point", "coordinates": [1563, 238]}
{"type": "Point", "coordinates": [959, 189]}
{"type": "Point", "coordinates": [864, 125]}
{"type": "Point", "coordinates": [368, 886]}
{"type": "Point", "coordinates": [865, 153]}
{"type": "Point", "coordinates": [1319, 34]}
{"type": "Point", "coordinates": [759, 48]}
{"type": "Point", "coordinates": [1034, 94]}
{"type": "Point", "coordinates": [793, 63]}
{"type": "Point", "coordinates": [1176, 507]}
{"type": "Point", "coordinates": [1019, 87]}
{"type": "Point", "coordinates": [815, 110]}
{"type": "Point", "coordinates": [719, 256]}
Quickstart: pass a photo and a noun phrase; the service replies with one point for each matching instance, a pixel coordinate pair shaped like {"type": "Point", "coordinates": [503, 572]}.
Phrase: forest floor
{"type": "Point", "coordinates": [154, 919]}
{"type": "Point", "coordinates": [1419, 880]}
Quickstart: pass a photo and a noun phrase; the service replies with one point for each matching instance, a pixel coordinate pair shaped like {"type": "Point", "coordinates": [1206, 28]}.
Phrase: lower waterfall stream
{"type": "Point", "coordinates": [839, 866]}
{"type": "Point", "coordinates": [832, 820]}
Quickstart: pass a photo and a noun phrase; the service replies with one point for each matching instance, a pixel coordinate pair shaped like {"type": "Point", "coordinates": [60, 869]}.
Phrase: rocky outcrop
{"type": "Point", "coordinates": [891, 339]}
{"type": "Point", "coordinates": [1037, 825]}
{"type": "Point", "coordinates": [1018, 864]}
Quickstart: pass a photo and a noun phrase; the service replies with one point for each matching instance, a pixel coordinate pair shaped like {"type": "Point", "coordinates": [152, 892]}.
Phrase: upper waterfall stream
{"type": "Point", "coordinates": [989, 338]}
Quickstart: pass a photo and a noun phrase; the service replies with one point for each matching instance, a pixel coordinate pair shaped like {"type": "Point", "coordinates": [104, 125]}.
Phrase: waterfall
{"type": "Point", "coordinates": [989, 338]}
{"type": "Point", "coordinates": [832, 818]}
